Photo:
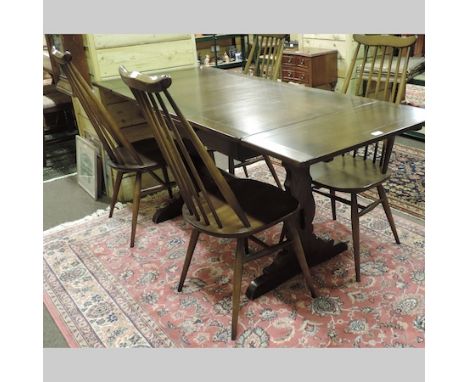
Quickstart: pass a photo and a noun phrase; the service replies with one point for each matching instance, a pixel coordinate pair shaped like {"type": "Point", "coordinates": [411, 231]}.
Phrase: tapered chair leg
{"type": "Point", "coordinates": [388, 211]}
{"type": "Point", "coordinates": [333, 204]}
{"type": "Point", "coordinates": [136, 206]}
{"type": "Point", "coordinates": [231, 168]}
{"type": "Point", "coordinates": [244, 167]}
{"type": "Point", "coordinates": [212, 155]}
{"type": "Point", "coordinates": [299, 251]}
{"type": "Point", "coordinates": [236, 290]}
{"type": "Point", "coordinates": [355, 230]}
{"type": "Point", "coordinates": [118, 181]}
{"type": "Point", "coordinates": [272, 170]}
{"type": "Point", "coordinates": [167, 181]}
{"type": "Point", "coordinates": [283, 233]}
{"type": "Point", "coordinates": [188, 258]}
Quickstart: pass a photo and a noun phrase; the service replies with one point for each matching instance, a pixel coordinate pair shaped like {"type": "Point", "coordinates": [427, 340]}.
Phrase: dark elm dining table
{"type": "Point", "coordinates": [242, 116]}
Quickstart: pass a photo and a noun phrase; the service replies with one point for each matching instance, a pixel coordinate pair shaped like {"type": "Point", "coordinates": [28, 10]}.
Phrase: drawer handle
{"type": "Point", "coordinates": [289, 59]}
{"type": "Point", "coordinates": [289, 74]}
{"type": "Point", "coordinates": [302, 62]}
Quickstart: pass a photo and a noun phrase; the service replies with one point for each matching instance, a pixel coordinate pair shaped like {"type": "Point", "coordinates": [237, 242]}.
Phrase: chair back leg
{"type": "Point", "coordinates": [333, 204]}
{"type": "Point", "coordinates": [115, 192]}
{"type": "Point", "coordinates": [388, 211]}
{"type": "Point", "coordinates": [236, 290]}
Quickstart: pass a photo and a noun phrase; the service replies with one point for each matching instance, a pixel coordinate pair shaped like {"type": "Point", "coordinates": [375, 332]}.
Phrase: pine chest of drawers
{"type": "Point", "coordinates": [312, 67]}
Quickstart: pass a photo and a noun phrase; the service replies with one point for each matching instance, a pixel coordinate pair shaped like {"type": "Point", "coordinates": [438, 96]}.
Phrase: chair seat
{"type": "Point", "coordinates": [347, 174]}
{"type": "Point", "coordinates": [149, 153]}
{"type": "Point", "coordinates": [263, 203]}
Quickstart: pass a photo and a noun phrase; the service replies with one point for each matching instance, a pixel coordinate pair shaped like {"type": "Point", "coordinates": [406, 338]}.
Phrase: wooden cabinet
{"type": "Point", "coordinates": [311, 67]}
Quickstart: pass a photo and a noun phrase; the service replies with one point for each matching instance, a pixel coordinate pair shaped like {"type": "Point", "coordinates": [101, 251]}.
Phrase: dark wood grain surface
{"type": "Point", "coordinates": [300, 126]}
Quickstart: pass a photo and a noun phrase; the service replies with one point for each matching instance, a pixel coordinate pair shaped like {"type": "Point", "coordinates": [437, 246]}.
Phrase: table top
{"type": "Point", "coordinates": [296, 124]}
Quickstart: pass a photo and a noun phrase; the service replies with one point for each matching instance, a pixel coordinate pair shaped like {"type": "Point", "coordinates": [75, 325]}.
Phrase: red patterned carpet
{"type": "Point", "coordinates": [101, 293]}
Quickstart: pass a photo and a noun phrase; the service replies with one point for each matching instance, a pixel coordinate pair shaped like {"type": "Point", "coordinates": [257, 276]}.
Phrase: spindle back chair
{"type": "Point", "coordinates": [383, 68]}
{"type": "Point", "coordinates": [216, 202]}
{"type": "Point", "coordinates": [264, 60]}
{"type": "Point", "coordinates": [381, 74]}
{"type": "Point", "coordinates": [125, 156]}
{"type": "Point", "coordinates": [265, 55]}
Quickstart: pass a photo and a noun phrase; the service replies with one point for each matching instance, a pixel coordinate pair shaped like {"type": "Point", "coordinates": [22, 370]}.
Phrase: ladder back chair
{"type": "Point", "coordinates": [381, 75]}
{"type": "Point", "coordinates": [264, 60]}
{"type": "Point", "coordinates": [216, 203]}
{"type": "Point", "coordinates": [138, 157]}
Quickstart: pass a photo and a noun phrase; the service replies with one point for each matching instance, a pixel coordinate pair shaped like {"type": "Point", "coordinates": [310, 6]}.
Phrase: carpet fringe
{"type": "Point", "coordinates": [95, 214]}
{"type": "Point", "coordinates": [101, 212]}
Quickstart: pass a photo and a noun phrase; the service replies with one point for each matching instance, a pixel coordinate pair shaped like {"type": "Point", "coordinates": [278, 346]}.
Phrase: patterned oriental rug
{"type": "Point", "coordinates": [101, 293]}
{"type": "Point", "coordinates": [406, 187]}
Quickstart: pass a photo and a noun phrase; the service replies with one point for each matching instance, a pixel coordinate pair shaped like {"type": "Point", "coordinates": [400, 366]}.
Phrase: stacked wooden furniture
{"type": "Point", "coordinates": [97, 57]}
{"type": "Point", "coordinates": [58, 119]}
{"type": "Point", "coordinates": [312, 67]}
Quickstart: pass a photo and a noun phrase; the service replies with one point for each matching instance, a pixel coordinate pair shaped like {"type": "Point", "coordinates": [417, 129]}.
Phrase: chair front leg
{"type": "Point", "coordinates": [236, 290]}
{"type": "Point", "coordinates": [136, 207]}
{"type": "Point", "coordinates": [188, 257]}
{"type": "Point", "coordinates": [333, 204]}
{"type": "Point", "coordinates": [355, 230]}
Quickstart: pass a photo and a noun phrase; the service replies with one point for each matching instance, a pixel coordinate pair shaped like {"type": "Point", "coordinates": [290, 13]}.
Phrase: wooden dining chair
{"type": "Point", "coordinates": [216, 203]}
{"type": "Point", "coordinates": [264, 60]}
{"type": "Point", "coordinates": [381, 74]}
{"type": "Point", "coordinates": [126, 157]}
